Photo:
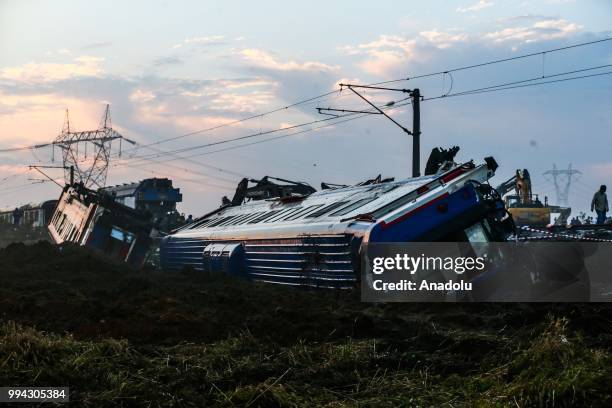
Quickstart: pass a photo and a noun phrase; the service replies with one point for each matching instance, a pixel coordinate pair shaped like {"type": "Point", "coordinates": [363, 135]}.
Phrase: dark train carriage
{"type": "Point", "coordinates": [316, 240]}
{"type": "Point", "coordinates": [30, 215]}
{"type": "Point", "coordinates": [95, 220]}
{"type": "Point", "coordinates": [155, 195]}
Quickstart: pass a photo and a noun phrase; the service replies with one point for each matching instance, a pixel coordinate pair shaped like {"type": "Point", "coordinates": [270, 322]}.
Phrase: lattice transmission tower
{"type": "Point", "coordinates": [562, 180]}
{"type": "Point", "coordinates": [89, 151]}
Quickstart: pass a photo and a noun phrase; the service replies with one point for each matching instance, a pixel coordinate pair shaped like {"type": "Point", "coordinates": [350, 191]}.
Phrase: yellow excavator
{"type": "Point", "coordinates": [525, 207]}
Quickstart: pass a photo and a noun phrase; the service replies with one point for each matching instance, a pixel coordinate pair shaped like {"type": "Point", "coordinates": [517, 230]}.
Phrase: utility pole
{"type": "Point", "coordinates": [415, 96]}
{"type": "Point", "coordinates": [416, 132]}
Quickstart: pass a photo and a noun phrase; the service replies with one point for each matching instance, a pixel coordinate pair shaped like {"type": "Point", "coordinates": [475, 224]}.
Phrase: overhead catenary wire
{"type": "Point", "coordinates": [539, 78]}
{"type": "Point", "coordinates": [448, 71]}
{"type": "Point", "coordinates": [219, 169]}
{"type": "Point", "coordinates": [333, 120]}
{"type": "Point", "coordinates": [149, 162]}
{"type": "Point", "coordinates": [22, 148]}
{"type": "Point", "coordinates": [255, 116]}
{"type": "Point", "coordinates": [502, 60]}
{"type": "Point", "coordinates": [307, 100]}
{"type": "Point", "coordinates": [21, 187]}
{"type": "Point", "coordinates": [492, 88]}
{"type": "Point", "coordinates": [503, 87]}
{"type": "Point", "coordinates": [178, 177]}
{"type": "Point", "coordinates": [511, 85]}
{"type": "Point", "coordinates": [342, 119]}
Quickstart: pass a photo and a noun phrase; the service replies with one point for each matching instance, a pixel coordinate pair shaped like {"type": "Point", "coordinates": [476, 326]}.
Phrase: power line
{"type": "Point", "coordinates": [256, 116]}
{"type": "Point", "coordinates": [415, 77]}
{"type": "Point", "coordinates": [198, 164]}
{"type": "Point", "coordinates": [20, 187]}
{"type": "Point", "coordinates": [498, 61]}
{"type": "Point", "coordinates": [152, 155]}
{"type": "Point", "coordinates": [258, 134]}
{"type": "Point", "coordinates": [304, 101]}
{"type": "Point", "coordinates": [351, 117]}
{"type": "Point", "coordinates": [153, 162]}
{"type": "Point", "coordinates": [502, 87]}
{"type": "Point", "coordinates": [533, 79]}
{"type": "Point", "coordinates": [334, 120]}
{"type": "Point", "coordinates": [184, 179]}
{"type": "Point", "coordinates": [338, 121]}
{"type": "Point", "coordinates": [32, 147]}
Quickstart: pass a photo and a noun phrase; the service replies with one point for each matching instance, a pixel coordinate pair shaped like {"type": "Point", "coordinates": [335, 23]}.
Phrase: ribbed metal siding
{"type": "Point", "coordinates": [318, 261]}
{"type": "Point", "coordinates": [177, 253]}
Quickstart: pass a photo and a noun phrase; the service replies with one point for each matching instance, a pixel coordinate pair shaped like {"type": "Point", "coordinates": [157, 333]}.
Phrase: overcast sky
{"type": "Point", "coordinates": [170, 68]}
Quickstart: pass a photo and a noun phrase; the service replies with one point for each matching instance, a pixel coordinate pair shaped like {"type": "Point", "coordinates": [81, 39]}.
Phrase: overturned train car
{"type": "Point", "coordinates": [316, 240]}
{"type": "Point", "coordinates": [94, 220]}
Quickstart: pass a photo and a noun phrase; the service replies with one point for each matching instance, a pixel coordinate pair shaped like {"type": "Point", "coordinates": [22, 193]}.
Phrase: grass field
{"type": "Point", "coordinates": [122, 338]}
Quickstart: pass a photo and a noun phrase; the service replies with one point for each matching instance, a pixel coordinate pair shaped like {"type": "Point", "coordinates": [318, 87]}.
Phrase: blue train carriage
{"type": "Point", "coordinates": [155, 195]}
{"type": "Point", "coordinates": [316, 240]}
{"type": "Point", "coordinates": [35, 215]}
{"type": "Point", "coordinates": [94, 220]}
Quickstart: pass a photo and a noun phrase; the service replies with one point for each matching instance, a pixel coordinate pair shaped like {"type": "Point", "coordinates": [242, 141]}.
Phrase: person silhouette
{"type": "Point", "coordinates": [599, 204]}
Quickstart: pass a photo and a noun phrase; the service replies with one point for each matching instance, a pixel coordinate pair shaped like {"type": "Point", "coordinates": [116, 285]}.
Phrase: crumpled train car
{"type": "Point", "coordinates": [316, 240]}
{"type": "Point", "coordinates": [88, 218]}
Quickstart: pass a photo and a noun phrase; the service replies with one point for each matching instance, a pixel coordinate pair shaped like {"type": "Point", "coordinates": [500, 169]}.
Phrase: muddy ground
{"type": "Point", "coordinates": [123, 338]}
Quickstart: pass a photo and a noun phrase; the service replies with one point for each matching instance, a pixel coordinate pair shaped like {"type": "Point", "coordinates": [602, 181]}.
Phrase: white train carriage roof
{"type": "Point", "coordinates": [329, 211]}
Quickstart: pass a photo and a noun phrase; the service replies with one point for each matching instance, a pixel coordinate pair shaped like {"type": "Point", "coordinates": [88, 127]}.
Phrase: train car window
{"type": "Point", "coordinates": [283, 214]}
{"type": "Point", "coordinates": [351, 207]}
{"type": "Point", "coordinates": [278, 215]}
{"type": "Point", "coordinates": [295, 214]}
{"type": "Point", "coordinates": [327, 209]}
{"type": "Point", "coordinates": [243, 220]}
{"type": "Point", "coordinates": [56, 217]}
{"type": "Point", "coordinates": [240, 219]}
{"type": "Point", "coordinates": [251, 217]}
{"type": "Point", "coordinates": [218, 221]}
{"type": "Point", "coordinates": [476, 233]}
{"type": "Point", "coordinates": [200, 223]}
{"type": "Point", "coordinates": [395, 204]}
{"type": "Point", "coordinates": [264, 216]}
{"type": "Point", "coordinates": [286, 214]}
{"type": "Point", "coordinates": [61, 224]}
{"type": "Point", "coordinates": [304, 212]}
{"type": "Point", "coordinates": [228, 220]}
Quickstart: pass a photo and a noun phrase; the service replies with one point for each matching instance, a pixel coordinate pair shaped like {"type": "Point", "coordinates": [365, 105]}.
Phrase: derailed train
{"type": "Point", "coordinates": [35, 215]}
{"type": "Point", "coordinates": [316, 240]}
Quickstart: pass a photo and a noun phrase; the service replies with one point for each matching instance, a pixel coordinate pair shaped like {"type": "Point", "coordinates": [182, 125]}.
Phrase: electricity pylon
{"type": "Point", "coordinates": [562, 180]}
{"type": "Point", "coordinates": [90, 170]}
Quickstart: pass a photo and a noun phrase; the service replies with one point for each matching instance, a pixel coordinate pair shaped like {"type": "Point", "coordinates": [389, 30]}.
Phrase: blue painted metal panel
{"type": "Point", "coordinates": [319, 261]}
{"type": "Point", "coordinates": [152, 194]}
{"type": "Point", "coordinates": [178, 253]}
{"type": "Point", "coordinates": [431, 215]}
